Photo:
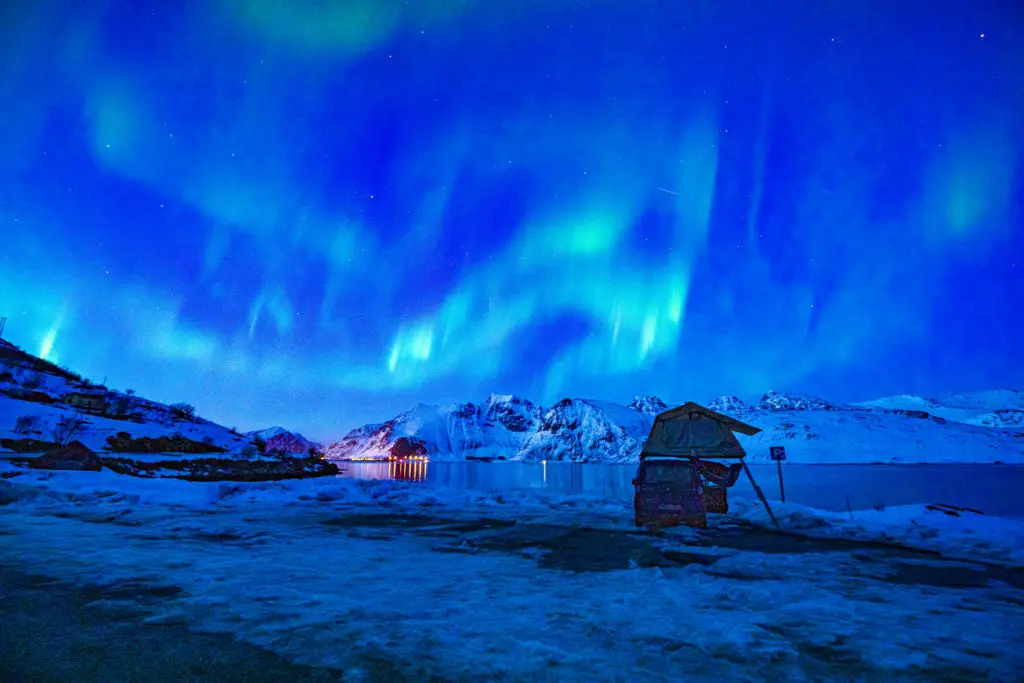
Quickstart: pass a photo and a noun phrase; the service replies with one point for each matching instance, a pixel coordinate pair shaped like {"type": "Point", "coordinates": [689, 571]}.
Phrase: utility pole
{"type": "Point", "coordinates": [3, 321]}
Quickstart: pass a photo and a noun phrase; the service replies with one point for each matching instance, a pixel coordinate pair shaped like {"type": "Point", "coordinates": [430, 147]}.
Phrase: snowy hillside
{"type": "Point", "coordinates": [281, 440]}
{"type": "Point", "coordinates": [812, 429]}
{"type": "Point", "coordinates": [35, 396]}
{"type": "Point", "coordinates": [871, 436]}
{"type": "Point", "coordinates": [497, 428]}
{"type": "Point", "coordinates": [1009, 419]}
{"type": "Point", "coordinates": [588, 431]}
{"type": "Point", "coordinates": [989, 408]}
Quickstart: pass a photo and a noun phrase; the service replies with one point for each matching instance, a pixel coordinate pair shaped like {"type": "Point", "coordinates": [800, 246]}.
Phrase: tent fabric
{"type": "Point", "coordinates": [690, 407]}
{"type": "Point", "coordinates": [694, 431]}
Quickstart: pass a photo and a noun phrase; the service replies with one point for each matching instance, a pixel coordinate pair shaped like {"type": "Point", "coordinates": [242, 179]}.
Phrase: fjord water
{"type": "Point", "coordinates": [993, 489]}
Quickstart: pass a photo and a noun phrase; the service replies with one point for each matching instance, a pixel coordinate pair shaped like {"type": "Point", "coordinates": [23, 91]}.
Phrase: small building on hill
{"type": "Point", "coordinates": [93, 401]}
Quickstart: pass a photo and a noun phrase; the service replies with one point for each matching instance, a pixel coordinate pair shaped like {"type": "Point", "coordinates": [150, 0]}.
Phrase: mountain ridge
{"type": "Point", "coordinates": [279, 439]}
{"type": "Point", "coordinates": [985, 426]}
{"type": "Point", "coordinates": [812, 429]}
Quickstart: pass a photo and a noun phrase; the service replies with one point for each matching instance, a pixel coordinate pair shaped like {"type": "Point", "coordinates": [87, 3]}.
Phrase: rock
{"type": "Point", "coordinates": [27, 445]}
{"type": "Point", "coordinates": [280, 440]}
{"type": "Point", "coordinates": [919, 414]}
{"type": "Point", "coordinates": [727, 405]}
{"type": "Point", "coordinates": [161, 444]}
{"type": "Point", "coordinates": [23, 394]}
{"type": "Point", "coordinates": [74, 456]}
{"type": "Point", "coordinates": [651, 405]}
{"type": "Point", "coordinates": [514, 413]}
{"type": "Point", "coordinates": [408, 446]}
{"type": "Point", "coordinates": [581, 430]}
{"type": "Point", "coordinates": [225, 469]}
{"type": "Point", "coordinates": [782, 402]}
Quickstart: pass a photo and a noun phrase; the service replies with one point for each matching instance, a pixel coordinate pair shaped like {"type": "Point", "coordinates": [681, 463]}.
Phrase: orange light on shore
{"type": "Point", "coordinates": [411, 468]}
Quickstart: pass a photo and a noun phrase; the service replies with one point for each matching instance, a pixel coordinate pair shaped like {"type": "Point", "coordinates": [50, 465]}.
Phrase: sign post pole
{"type": "Point", "coordinates": [760, 494]}
{"type": "Point", "coordinates": [778, 454]}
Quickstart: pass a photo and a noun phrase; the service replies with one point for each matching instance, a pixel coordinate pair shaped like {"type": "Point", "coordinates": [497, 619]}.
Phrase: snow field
{"type": "Point", "coordinates": [284, 566]}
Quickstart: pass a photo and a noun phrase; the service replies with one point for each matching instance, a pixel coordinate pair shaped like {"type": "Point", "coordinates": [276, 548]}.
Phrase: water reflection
{"type": "Point", "coordinates": [407, 470]}
{"type": "Point", "coordinates": [608, 481]}
{"type": "Point", "coordinates": [994, 488]}
{"type": "Point", "coordinates": [400, 469]}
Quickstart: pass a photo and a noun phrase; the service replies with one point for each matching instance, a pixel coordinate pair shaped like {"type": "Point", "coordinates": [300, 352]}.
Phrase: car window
{"type": "Point", "coordinates": [669, 472]}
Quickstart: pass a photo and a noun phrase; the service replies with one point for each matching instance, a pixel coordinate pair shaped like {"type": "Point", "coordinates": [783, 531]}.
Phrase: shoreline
{"type": "Point", "coordinates": [319, 572]}
{"type": "Point", "coordinates": [13, 455]}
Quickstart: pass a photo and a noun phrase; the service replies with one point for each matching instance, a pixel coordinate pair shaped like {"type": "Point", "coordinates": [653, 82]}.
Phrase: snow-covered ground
{"type": "Point", "coordinates": [466, 585]}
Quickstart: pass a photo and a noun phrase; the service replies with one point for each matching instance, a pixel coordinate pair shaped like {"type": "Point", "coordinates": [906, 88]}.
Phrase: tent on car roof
{"type": "Point", "coordinates": [691, 430]}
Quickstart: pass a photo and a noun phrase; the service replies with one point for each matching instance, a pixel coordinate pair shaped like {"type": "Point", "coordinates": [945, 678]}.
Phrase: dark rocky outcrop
{"type": "Point", "coordinates": [408, 446]}
{"type": "Point", "coordinates": [225, 469]}
{"type": "Point", "coordinates": [123, 443]}
{"type": "Point", "coordinates": [27, 445]}
{"type": "Point", "coordinates": [919, 414]}
{"type": "Point", "coordinates": [28, 395]}
{"type": "Point", "coordinates": [74, 456]}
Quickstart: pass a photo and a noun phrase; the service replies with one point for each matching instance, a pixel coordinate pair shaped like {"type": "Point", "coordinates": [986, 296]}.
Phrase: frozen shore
{"type": "Point", "coordinates": [335, 574]}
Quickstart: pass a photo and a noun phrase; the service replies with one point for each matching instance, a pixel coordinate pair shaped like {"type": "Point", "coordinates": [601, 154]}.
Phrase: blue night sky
{"type": "Point", "coordinates": [317, 213]}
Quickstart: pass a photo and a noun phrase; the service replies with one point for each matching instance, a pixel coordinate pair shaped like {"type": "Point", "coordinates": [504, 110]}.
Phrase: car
{"type": "Point", "coordinates": [673, 491]}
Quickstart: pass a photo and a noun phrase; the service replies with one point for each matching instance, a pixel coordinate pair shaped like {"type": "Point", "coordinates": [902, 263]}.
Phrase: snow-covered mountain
{"type": "Point", "coordinates": [35, 395]}
{"type": "Point", "coordinates": [588, 431]}
{"type": "Point", "coordinates": [873, 435]}
{"type": "Point", "coordinates": [505, 427]}
{"type": "Point", "coordinates": [513, 413]}
{"type": "Point", "coordinates": [496, 428]}
{"type": "Point", "coordinates": [729, 405]}
{"type": "Point", "coordinates": [812, 429]}
{"type": "Point", "coordinates": [785, 402]}
{"type": "Point", "coordinates": [280, 439]}
{"type": "Point", "coordinates": [652, 405]}
{"type": "Point", "coordinates": [891, 430]}
{"type": "Point", "coordinates": [989, 408]}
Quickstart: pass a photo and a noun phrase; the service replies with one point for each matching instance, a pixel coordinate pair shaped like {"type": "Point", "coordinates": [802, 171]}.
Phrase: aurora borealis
{"type": "Point", "coordinates": [316, 213]}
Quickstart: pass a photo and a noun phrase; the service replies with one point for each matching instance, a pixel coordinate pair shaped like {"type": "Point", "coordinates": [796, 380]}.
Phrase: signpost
{"type": "Point", "coordinates": [778, 454]}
